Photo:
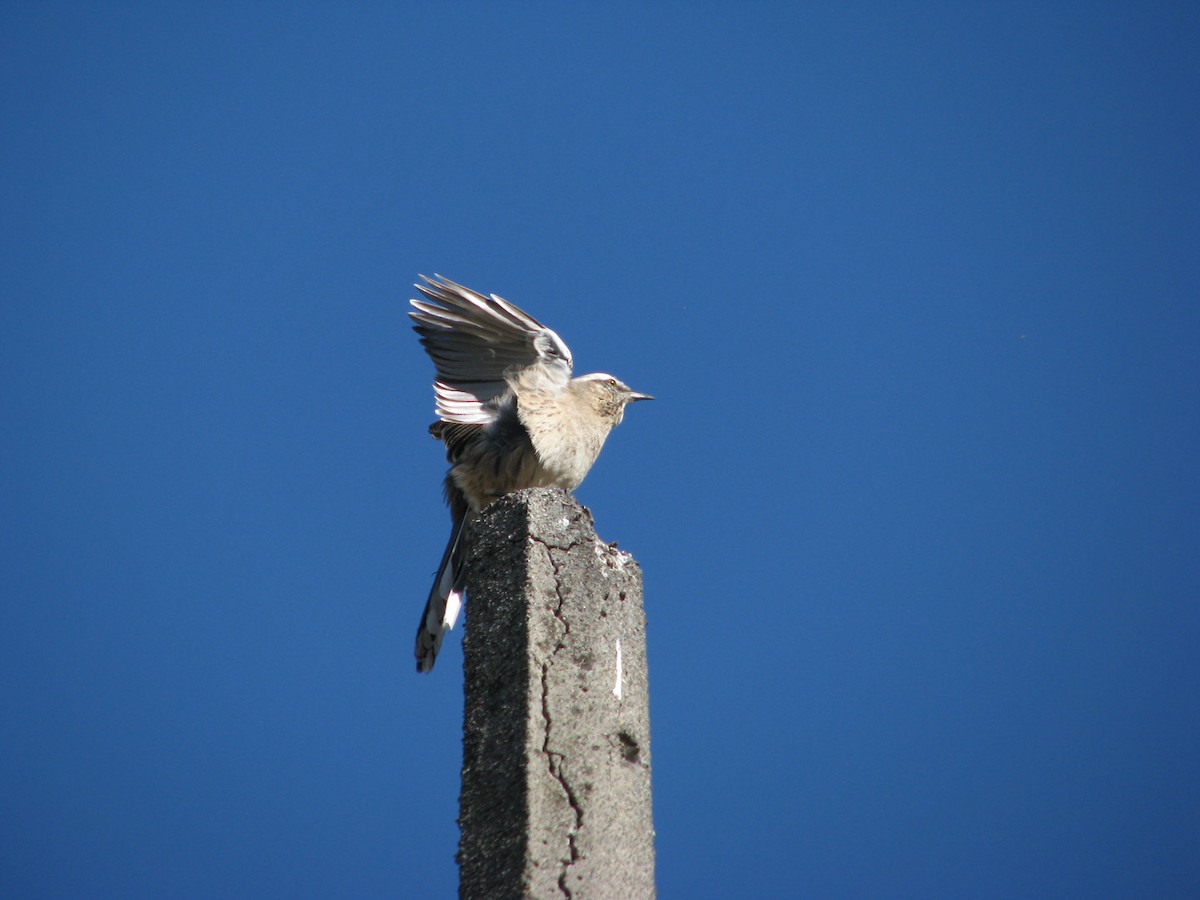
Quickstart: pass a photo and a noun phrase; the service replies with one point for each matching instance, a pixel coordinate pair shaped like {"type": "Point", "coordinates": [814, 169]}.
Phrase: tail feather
{"type": "Point", "coordinates": [445, 599]}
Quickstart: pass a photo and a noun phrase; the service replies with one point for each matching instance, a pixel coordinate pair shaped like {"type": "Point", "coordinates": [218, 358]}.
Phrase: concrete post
{"type": "Point", "coordinates": [556, 737]}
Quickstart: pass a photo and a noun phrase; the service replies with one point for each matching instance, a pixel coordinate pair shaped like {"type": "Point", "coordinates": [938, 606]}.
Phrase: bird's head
{"type": "Point", "coordinates": [608, 395]}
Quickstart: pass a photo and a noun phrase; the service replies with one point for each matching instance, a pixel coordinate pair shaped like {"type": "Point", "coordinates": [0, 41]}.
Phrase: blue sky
{"type": "Point", "coordinates": [915, 284]}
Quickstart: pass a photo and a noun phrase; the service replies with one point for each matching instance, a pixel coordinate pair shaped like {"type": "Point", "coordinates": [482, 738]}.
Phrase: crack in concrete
{"type": "Point", "coordinates": [554, 760]}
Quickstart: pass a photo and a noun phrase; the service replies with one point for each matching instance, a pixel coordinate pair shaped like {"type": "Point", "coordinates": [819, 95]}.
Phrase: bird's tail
{"type": "Point", "coordinates": [445, 599]}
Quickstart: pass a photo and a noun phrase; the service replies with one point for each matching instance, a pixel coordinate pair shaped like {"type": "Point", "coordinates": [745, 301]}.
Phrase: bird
{"type": "Point", "coordinates": [510, 415]}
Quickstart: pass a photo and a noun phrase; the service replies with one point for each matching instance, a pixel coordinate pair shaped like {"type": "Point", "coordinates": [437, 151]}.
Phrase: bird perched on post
{"type": "Point", "coordinates": [511, 417]}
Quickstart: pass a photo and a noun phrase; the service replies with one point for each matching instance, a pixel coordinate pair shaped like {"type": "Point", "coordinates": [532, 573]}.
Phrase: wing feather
{"type": "Point", "coordinates": [477, 343]}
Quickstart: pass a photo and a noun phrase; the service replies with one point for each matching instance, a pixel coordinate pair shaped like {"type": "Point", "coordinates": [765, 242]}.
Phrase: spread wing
{"type": "Point", "coordinates": [476, 342]}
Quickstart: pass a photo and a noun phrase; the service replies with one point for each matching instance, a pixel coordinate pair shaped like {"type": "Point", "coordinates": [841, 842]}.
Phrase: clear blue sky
{"type": "Point", "coordinates": [917, 286]}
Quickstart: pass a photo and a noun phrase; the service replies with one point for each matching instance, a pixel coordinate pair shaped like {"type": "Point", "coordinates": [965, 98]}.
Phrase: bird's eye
{"type": "Point", "coordinates": [612, 382]}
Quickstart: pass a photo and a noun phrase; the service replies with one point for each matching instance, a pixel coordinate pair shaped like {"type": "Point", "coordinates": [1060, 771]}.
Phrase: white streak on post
{"type": "Point", "coordinates": [620, 675]}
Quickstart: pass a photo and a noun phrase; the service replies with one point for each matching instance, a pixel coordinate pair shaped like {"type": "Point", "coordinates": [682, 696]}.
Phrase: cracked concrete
{"type": "Point", "coordinates": [556, 764]}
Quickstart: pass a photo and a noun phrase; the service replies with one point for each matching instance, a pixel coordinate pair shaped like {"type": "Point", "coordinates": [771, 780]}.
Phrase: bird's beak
{"type": "Point", "coordinates": [634, 395]}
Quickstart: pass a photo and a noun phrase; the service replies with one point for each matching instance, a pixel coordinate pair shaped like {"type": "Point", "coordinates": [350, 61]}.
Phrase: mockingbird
{"type": "Point", "coordinates": [511, 417]}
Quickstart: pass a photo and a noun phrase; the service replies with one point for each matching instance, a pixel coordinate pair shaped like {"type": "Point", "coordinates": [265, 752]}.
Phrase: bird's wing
{"type": "Point", "coordinates": [475, 342]}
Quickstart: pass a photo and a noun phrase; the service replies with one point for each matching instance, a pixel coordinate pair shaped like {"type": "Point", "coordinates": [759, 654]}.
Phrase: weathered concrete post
{"type": "Point", "coordinates": [556, 737]}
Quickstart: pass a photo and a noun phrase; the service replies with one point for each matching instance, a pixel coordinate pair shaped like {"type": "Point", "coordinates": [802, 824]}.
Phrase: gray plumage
{"type": "Point", "coordinates": [511, 417]}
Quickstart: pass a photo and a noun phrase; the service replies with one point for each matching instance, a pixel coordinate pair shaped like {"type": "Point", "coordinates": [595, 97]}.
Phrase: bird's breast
{"type": "Point", "coordinates": [565, 438]}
